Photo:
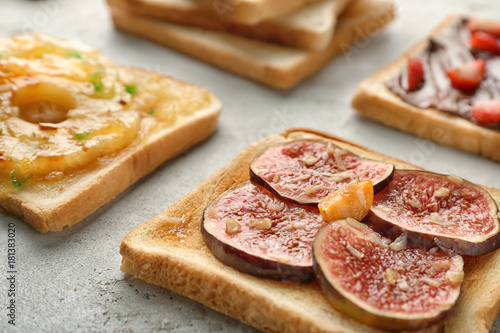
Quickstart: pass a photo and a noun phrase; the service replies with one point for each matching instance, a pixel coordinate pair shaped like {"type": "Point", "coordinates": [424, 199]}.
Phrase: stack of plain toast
{"type": "Point", "coordinates": [277, 43]}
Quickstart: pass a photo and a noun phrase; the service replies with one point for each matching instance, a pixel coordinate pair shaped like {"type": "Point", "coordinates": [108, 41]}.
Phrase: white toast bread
{"type": "Point", "coordinates": [169, 251]}
{"type": "Point", "coordinates": [252, 11]}
{"type": "Point", "coordinates": [374, 100]}
{"type": "Point", "coordinates": [310, 27]}
{"type": "Point", "coordinates": [270, 64]}
{"type": "Point", "coordinates": [50, 204]}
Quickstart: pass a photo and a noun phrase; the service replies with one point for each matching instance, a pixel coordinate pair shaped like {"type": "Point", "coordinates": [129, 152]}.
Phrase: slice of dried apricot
{"type": "Point", "coordinates": [352, 200]}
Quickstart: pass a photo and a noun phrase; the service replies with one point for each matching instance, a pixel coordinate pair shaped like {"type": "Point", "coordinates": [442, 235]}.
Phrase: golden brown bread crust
{"type": "Point", "coordinates": [374, 100]}
{"type": "Point", "coordinates": [270, 64]}
{"type": "Point", "coordinates": [274, 31]}
{"type": "Point", "coordinates": [169, 251]}
{"type": "Point", "coordinates": [252, 11]}
{"type": "Point", "coordinates": [52, 206]}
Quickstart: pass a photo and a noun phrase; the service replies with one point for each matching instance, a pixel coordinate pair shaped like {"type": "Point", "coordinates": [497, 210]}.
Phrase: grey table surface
{"type": "Point", "coordinates": [71, 281]}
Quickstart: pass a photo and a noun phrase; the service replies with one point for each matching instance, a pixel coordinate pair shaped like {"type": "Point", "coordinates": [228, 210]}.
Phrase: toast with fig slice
{"type": "Point", "coordinates": [444, 88]}
{"type": "Point", "coordinates": [208, 246]}
{"type": "Point", "coordinates": [76, 129]}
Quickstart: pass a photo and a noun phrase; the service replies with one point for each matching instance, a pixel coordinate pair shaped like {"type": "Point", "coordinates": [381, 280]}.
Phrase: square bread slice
{"type": "Point", "coordinates": [310, 27]}
{"type": "Point", "coordinates": [374, 100]}
{"type": "Point", "coordinates": [169, 251]}
{"type": "Point", "coordinates": [252, 11]}
{"type": "Point", "coordinates": [273, 65]}
{"type": "Point", "coordinates": [169, 117]}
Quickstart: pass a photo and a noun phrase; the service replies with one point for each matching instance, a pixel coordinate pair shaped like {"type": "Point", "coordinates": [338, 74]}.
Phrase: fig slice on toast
{"type": "Point", "coordinates": [250, 229]}
{"type": "Point", "coordinates": [306, 171]}
{"type": "Point", "coordinates": [382, 283]}
{"type": "Point", "coordinates": [437, 210]}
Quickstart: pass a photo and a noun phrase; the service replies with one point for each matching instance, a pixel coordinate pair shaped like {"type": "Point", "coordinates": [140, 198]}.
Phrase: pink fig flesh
{"type": "Point", "coordinates": [383, 283]}
{"type": "Point", "coordinates": [250, 229]}
{"type": "Point", "coordinates": [437, 210]}
{"type": "Point", "coordinates": [305, 171]}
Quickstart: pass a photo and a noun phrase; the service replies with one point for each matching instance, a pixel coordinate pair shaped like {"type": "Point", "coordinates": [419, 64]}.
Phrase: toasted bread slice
{"type": "Point", "coordinates": [169, 251]}
{"type": "Point", "coordinates": [374, 100]}
{"type": "Point", "coordinates": [252, 11]}
{"type": "Point", "coordinates": [171, 117]}
{"type": "Point", "coordinates": [270, 64]}
{"type": "Point", "coordinates": [310, 27]}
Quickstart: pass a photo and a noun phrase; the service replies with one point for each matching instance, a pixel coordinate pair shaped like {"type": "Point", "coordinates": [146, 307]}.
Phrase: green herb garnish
{"type": "Point", "coordinates": [96, 80]}
{"type": "Point", "coordinates": [81, 136]}
{"type": "Point", "coordinates": [132, 89]}
{"type": "Point", "coordinates": [16, 181]}
{"type": "Point", "coordinates": [152, 111]}
{"type": "Point", "coordinates": [74, 54]}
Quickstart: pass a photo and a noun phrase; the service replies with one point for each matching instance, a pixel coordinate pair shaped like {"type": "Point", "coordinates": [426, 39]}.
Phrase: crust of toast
{"type": "Point", "coordinates": [169, 251]}
{"type": "Point", "coordinates": [252, 11]}
{"type": "Point", "coordinates": [374, 100]}
{"type": "Point", "coordinates": [270, 64]}
{"type": "Point", "coordinates": [309, 28]}
{"type": "Point", "coordinates": [52, 206]}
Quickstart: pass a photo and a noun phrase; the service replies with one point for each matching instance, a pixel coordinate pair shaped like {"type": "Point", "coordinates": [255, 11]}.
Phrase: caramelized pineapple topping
{"type": "Point", "coordinates": [63, 105]}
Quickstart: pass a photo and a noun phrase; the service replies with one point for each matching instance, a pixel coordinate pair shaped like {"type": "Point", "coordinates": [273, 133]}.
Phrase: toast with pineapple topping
{"type": "Point", "coordinates": [76, 129]}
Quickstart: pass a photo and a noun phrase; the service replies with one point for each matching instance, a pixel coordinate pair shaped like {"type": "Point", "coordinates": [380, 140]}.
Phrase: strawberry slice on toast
{"type": "Point", "coordinates": [476, 24]}
{"type": "Point", "coordinates": [467, 76]}
{"type": "Point", "coordinates": [483, 41]}
{"type": "Point", "coordinates": [487, 111]}
{"type": "Point", "coordinates": [415, 73]}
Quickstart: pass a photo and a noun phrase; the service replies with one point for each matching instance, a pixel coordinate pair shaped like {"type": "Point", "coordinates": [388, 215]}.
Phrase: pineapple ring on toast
{"type": "Point", "coordinates": [64, 105]}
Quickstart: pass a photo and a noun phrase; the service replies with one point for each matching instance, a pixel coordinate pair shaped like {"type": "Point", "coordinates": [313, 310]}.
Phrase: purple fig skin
{"type": "Point", "coordinates": [261, 182]}
{"type": "Point", "coordinates": [256, 266]}
{"type": "Point", "coordinates": [344, 304]}
{"type": "Point", "coordinates": [387, 323]}
{"type": "Point", "coordinates": [255, 178]}
{"type": "Point", "coordinates": [429, 240]}
{"type": "Point", "coordinates": [377, 187]}
{"type": "Point", "coordinates": [232, 251]}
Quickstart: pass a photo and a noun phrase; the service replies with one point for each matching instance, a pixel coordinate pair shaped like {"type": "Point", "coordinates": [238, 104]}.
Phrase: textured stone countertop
{"type": "Point", "coordinates": [71, 281]}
